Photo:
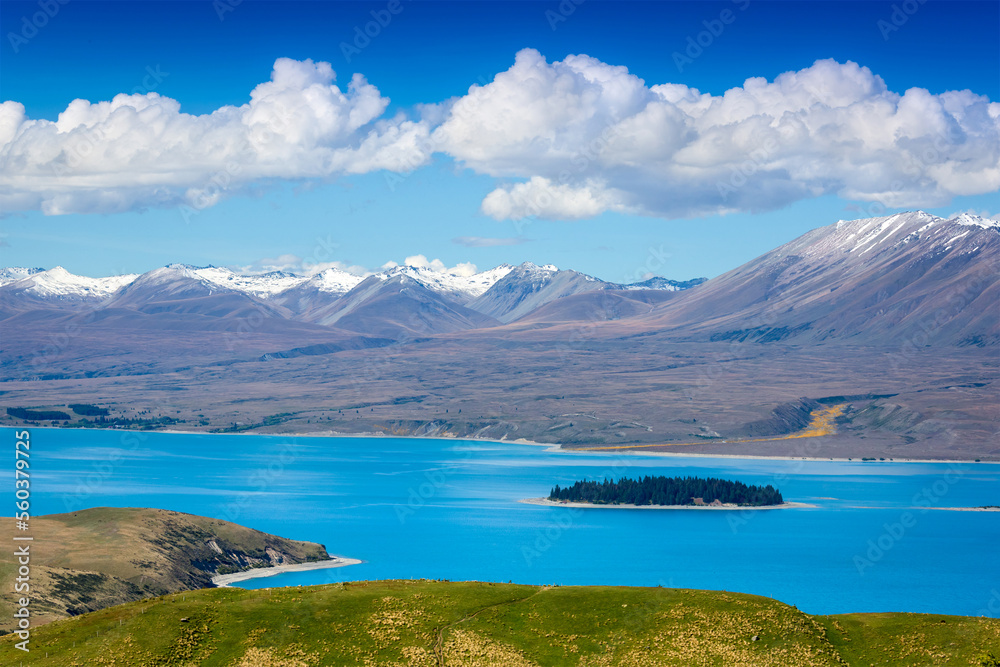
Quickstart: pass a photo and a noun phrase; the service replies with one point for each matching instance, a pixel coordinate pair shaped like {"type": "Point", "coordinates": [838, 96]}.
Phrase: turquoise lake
{"type": "Point", "coordinates": [447, 509]}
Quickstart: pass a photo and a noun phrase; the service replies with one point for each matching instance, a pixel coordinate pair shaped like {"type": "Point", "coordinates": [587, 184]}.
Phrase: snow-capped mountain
{"type": "Point", "coordinates": [462, 288]}
{"type": "Point", "coordinates": [906, 277]}
{"type": "Point", "coordinates": [970, 220]}
{"type": "Point", "coordinates": [312, 297]}
{"type": "Point", "coordinates": [407, 300]}
{"type": "Point", "coordinates": [281, 285]}
{"type": "Point", "coordinates": [287, 287]}
{"type": "Point", "coordinates": [174, 281]}
{"type": "Point", "coordinates": [477, 284]}
{"type": "Point", "coordinates": [259, 285]}
{"type": "Point", "coordinates": [12, 274]}
{"type": "Point", "coordinates": [910, 278]}
{"type": "Point", "coordinates": [334, 281]}
{"type": "Point", "coordinates": [60, 284]}
{"type": "Point", "coordinates": [530, 286]}
{"type": "Point", "coordinates": [179, 298]}
{"type": "Point", "coordinates": [873, 236]}
{"type": "Point", "coordinates": [663, 284]}
{"type": "Point", "coordinates": [316, 291]}
{"type": "Point", "coordinates": [398, 306]}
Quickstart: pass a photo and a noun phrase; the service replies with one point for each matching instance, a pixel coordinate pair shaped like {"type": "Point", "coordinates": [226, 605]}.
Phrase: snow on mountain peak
{"type": "Point", "coordinates": [12, 274]}
{"type": "Point", "coordinates": [967, 219]}
{"type": "Point", "coordinates": [260, 285]}
{"type": "Point", "coordinates": [336, 281]}
{"type": "Point", "coordinates": [167, 273]}
{"type": "Point", "coordinates": [449, 280]}
{"type": "Point", "coordinates": [458, 282]}
{"type": "Point", "coordinates": [871, 236]}
{"type": "Point", "coordinates": [531, 267]}
{"type": "Point", "coordinates": [478, 284]}
{"type": "Point", "coordinates": [59, 283]}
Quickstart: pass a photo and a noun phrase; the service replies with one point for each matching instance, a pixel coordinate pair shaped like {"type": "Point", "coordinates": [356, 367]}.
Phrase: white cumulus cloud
{"type": "Point", "coordinates": [590, 137]}
{"type": "Point", "coordinates": [565, 140]}
{"type": "Point", "coordinates": [142, 150]}
{"type": "Point", "coordinates": [542, 197]}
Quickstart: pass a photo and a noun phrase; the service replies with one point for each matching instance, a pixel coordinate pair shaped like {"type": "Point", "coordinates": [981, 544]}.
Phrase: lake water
{"type": "Point", "coordinates": [447, 509]}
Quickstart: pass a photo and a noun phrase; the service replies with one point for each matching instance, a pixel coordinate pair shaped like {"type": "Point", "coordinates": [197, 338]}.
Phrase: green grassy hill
{"type": "Point", "coordinates": [95, 558]}
{"type": "Point", "coordinates": [417, 623]}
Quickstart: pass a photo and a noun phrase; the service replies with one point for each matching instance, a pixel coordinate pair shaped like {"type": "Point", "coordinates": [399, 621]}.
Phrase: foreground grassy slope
{"type": "Point", "coordinates": [438, 623]}
{"type": "Point", "coordinates": [91, 559]}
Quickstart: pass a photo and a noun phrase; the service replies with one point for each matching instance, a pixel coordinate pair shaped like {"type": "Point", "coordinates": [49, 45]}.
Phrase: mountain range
{"type": "Point", "coordinates": [402, 301]}
{"type": "Point", "coordinates": [880, 278]}
{"type": "Point", "coordinates": [895, 320]}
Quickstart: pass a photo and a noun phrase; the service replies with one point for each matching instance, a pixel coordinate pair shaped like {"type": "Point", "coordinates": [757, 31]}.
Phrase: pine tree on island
{"type": "Point", "coordinates": [668, 491]}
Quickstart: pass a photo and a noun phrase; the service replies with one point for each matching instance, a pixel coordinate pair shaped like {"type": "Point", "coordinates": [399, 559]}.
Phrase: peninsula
{"type": "Point", "coordinates": [100, 557]}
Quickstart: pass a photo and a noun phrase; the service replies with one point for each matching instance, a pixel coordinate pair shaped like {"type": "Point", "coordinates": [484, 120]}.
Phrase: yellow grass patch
{"type": "Point", "coordinates": [821, 422]}
{"type": "Point", "coordinates": [469, 649]}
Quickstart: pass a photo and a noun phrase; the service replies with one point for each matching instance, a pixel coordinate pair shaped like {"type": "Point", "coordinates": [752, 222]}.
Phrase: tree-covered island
{"type": "Point", "coordinates": [668, 491]}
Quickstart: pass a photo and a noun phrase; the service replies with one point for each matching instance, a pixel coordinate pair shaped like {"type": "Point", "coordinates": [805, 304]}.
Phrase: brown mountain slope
{"type": "Point", "coordinates": [882, 281]}
{"type": "Point", "coordinates": [598, 306]}
{"type": "Point", "coordinates": [399, 307]}
{"type": "Point", "coordinates": [529, 287]}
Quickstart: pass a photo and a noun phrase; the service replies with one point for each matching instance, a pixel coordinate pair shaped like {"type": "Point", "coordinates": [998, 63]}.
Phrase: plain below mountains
{"type": "Point", "coordinates": [896, 318]}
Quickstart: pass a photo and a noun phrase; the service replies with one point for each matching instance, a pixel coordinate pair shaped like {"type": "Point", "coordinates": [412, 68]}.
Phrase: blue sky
{"type": "Point", "coordinates": [635, 207]}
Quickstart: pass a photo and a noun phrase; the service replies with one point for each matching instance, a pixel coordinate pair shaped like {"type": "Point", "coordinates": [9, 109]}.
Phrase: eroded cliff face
{"type": "Point", "coordinates": [96, 558]}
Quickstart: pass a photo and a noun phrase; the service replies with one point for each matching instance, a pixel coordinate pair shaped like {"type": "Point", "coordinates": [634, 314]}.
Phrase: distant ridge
{"type": "Point", "coordinates": [399, 301]}
{"type": "Point", "coordinates": [909, 276]}
{"type": "Point", "coordinates": [905, 277]}
{"type": "Point", "coordinates": [14, 273]}
{"type": "Point", "coordinates": [400, 306]}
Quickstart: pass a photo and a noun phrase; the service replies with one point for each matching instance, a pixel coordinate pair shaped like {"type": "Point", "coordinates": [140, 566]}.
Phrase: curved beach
{"type": "Point", "coordinates": [223, 580]}
{"type": "Point", "coordinates": [553, 503]}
